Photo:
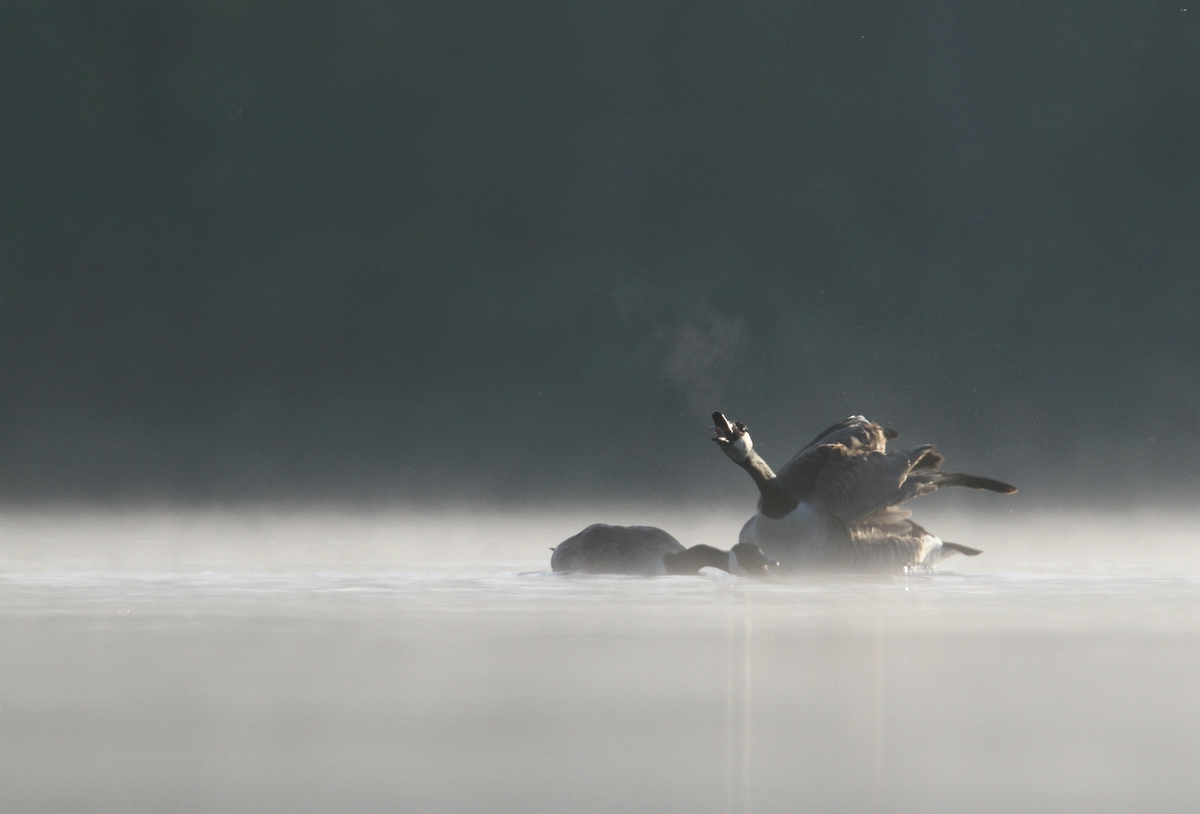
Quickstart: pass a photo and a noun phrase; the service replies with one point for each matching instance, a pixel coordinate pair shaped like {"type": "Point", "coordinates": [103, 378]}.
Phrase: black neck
{"type": "Point", "coordinates": [691, 560]}
{"type": "Point", "coordinates": [775, 502]}
{"type": "Point", "coordinates": [712, 557]}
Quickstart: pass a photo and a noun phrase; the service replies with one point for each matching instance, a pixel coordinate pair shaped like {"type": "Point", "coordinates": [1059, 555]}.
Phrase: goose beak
{"type": "Point", "coordinates": [722, 427]}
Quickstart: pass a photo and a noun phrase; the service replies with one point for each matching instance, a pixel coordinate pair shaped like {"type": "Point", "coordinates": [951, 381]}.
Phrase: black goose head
{"type": "Point", "coordinates": [753, 561]}
{"type": "Point", "coordinates": [732, 437]}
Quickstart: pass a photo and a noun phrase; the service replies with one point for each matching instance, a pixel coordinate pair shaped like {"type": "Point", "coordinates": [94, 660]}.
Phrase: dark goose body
{"type": "Point", "coordinates": [604, 549]}
{"type": "Point", "coordinates": [649, 551]}
{"type": "Point", "coordinates": [836, 504]}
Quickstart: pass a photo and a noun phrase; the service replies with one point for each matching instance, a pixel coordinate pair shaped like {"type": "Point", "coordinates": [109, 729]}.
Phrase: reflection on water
{"type": "Point", "coordinates": [362, 667]}
{"type": "Point", "coordinates": [739, 706]}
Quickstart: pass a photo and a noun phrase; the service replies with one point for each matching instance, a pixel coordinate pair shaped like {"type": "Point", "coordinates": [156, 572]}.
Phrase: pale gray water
{"type": "Point", "coordinates": [281, 662]}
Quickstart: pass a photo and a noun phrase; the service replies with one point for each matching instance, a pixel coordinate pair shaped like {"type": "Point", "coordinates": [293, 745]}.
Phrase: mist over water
{"type": "Point", "coordinates": [282, 660]}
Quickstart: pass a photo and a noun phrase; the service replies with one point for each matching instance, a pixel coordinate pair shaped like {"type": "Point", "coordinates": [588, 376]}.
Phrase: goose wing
{"type": "Point", "coordinates": [873, 548]}
{"type": "Point", "coordinates": [854, 485]}
{"type": "Point", "coordinates": [889, 541]}
{"type": "Point", "coordinates": [851, 485]}
{"type": "Point", "coordinates": [855, 432]}
{"type": "Point", "coordinates": [800, 476]}
{"type": "Point", "coordinates": [856, 435]}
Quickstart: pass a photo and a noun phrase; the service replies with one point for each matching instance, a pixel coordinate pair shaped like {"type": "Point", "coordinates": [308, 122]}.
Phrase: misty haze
{"type": "Point", "coordinates": [324, 323]}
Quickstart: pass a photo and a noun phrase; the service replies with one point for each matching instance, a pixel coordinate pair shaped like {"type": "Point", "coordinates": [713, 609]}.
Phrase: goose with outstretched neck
{"type": "Point", "coordinates": [836, 504]}
{"type": "Point", "coordinates": [650, 551]}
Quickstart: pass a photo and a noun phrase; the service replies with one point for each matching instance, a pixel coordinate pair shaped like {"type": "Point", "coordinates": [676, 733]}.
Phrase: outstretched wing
{"type": "Point", "coordinates": [855, 434]}
{"type": "Point", "coordinates": [851, 485]}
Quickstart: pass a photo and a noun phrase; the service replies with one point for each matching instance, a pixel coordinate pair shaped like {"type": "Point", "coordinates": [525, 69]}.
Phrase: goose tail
{"type": "Point", "coordinates": [961, 549]}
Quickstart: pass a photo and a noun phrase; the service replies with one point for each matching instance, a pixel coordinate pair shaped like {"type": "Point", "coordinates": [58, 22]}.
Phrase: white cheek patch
{"type": "Point", "coordinates": [742, 447]}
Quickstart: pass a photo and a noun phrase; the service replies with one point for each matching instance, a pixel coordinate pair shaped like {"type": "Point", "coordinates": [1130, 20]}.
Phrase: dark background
{"type": "Point", "coordinates": [520, 250]}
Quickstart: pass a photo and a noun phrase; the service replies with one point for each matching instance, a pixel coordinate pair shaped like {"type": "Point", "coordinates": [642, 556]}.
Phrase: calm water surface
{"type": "Point", "coordinates": [288, 663]}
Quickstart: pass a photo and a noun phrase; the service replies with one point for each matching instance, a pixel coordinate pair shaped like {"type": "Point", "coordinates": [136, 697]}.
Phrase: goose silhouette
{"type": "Point", "coordinates": [836, 503]}
{"type": "Point", "coordinates": [650, 551]}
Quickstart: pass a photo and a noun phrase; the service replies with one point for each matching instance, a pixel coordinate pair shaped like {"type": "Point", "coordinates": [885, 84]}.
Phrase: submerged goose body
{"type": "Point", "coordinates": [650, 551]}
{"type": "Point", "coordinates": [836, 504]}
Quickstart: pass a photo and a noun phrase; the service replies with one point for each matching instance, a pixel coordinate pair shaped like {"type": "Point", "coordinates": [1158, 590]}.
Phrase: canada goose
{"type": "Point", "coordinates": [650, 551]}
{"type": "Point", "coordinates": [836, 503]}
